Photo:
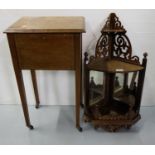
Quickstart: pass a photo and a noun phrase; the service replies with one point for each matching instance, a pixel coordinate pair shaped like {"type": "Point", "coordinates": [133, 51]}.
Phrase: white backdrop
{"type": "Point", "coordinates": [58, 87]}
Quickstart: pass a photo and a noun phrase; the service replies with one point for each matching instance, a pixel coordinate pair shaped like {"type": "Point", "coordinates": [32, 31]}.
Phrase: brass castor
{"type": "Point", "coordinates": [37, 106]}
{"type": "Point", "coordinates": [31, 127]}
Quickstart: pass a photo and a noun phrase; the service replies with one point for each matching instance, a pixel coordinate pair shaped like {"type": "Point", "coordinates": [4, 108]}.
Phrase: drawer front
{"type": "Point", "coordinates": [45, 51]}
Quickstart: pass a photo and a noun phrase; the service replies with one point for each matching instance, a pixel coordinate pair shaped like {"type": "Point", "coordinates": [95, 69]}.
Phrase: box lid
{"type": "Point", "coordinates": [49, 24]}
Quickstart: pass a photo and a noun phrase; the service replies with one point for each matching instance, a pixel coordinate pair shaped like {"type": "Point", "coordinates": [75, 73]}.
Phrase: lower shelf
{"type": "Point", "coordinates": [119, 113]}
{"type": "Point", "coordinates": [113, 124]}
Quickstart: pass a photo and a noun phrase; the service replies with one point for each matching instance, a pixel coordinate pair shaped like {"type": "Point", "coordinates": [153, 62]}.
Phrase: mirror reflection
{"type": "Point", "coordinates": [96, 86]}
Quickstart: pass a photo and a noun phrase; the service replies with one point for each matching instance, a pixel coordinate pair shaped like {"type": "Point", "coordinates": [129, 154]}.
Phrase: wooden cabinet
{"type": "Point", "coordinates": [46, 43]}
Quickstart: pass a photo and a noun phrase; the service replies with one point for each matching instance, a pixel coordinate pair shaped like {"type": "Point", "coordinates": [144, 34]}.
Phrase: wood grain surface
{"type": "Point", "coordinates": [55, 24]}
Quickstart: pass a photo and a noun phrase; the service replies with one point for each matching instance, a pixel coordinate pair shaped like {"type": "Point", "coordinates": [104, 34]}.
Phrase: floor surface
{"type": "Point", "coordinates": [56, 125]}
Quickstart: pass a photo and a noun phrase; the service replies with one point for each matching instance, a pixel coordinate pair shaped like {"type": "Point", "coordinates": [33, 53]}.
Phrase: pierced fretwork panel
{"type": "Point", "coordinates": [122, 48]}
{"type": "Point", "coordinates": [102, 46]}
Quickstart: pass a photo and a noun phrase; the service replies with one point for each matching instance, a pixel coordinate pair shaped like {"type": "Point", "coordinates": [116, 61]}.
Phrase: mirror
{"type": "Point", "coordinates": [96, 87]}
{"type": "Point", "coordinates": [118, 82]}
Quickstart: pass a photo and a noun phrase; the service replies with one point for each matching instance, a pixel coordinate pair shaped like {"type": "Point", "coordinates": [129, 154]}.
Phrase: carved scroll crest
{"type": "Point", "coordinates": [120, 47]}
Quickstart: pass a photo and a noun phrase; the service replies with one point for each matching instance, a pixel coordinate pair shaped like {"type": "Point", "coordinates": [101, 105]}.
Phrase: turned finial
{"type": "Point", "coordinates": [145, 55]}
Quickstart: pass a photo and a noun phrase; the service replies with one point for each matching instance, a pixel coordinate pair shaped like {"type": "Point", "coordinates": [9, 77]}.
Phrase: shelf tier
{"type": "Point", "coordinates": [113, 66]}
{"type": "Point", "coordinates": [116, 115]}
{"type": "Point", "coordinates": [120, 107]}
{"type": "Point", "coordinates": [114, 125]}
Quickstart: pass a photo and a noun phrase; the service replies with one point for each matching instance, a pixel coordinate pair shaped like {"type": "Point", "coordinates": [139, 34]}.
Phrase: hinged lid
{"type": "Point", "coordinates": [50, 24]}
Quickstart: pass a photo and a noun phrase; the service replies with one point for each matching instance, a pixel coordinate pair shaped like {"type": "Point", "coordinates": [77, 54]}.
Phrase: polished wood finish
{"type": "Point", "coordinates": [47, 43]}
{"type": "Point", "coordinates": [38, 54]}
{"type": "Point", "coordinates": [19, 79]}
{"type": "Point", "coordinates": [35, 87]}
{"type": "Point", "coordinates": [51, 24]}
{"type": "Point", "coordinates": [78, 64]}
{"type": "Point", "coordinates": [113, 66]}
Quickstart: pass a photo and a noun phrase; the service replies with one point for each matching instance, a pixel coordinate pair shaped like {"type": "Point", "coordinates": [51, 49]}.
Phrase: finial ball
{"type": "Point", "coordinates": [145, 54]}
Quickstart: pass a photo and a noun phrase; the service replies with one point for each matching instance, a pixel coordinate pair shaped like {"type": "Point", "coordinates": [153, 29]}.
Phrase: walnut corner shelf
{"type": "Point", "coordinates": [113, 102]}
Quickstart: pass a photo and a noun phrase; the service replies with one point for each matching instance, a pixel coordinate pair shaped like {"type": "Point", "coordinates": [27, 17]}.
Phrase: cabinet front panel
{"type": "Point", "coordinates": [45, 51]}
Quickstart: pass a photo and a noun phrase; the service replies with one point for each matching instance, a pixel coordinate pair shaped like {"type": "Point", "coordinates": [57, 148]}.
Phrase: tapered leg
{"type": "Point", "coordinates": [19, 79]}
{"type": "Point", "coordinates": [22, 93]}
{"type": "Point", "coordinates": [34, 82]}
{"type": "Point", "coordinates": [78, 100]}
{"type": "Point", "coordinates": [81, 103]}
{"type": "Point", "coordinates": [78, 74]}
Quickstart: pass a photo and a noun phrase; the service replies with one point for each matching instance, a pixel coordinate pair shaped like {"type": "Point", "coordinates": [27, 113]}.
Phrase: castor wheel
{"type": "Point", "coordinates": [80, 129]}
{"type": "Point", "coordinates": [37, 106]}
{"type": "Point", "coordinates": [31, 127]}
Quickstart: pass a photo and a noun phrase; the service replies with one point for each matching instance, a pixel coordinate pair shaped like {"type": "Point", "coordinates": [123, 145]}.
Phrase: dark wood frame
{"type": "Point", "coordinates": [113, 44]}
